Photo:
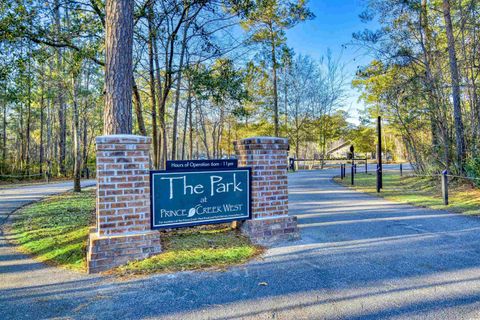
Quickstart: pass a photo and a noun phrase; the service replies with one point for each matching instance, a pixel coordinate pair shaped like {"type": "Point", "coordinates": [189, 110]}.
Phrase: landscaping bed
{"type": "Point", "coordinates": [55, 231]}
{"type": "Point", "coordinates": [196, 248]}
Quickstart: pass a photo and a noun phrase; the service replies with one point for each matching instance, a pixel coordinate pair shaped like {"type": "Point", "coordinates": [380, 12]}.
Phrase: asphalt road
{"type": "Point", "coordinates": [360, 257]}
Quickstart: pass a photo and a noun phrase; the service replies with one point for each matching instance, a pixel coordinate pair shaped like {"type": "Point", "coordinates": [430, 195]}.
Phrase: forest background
{"type": "Point", "coordinates": [208, 72]}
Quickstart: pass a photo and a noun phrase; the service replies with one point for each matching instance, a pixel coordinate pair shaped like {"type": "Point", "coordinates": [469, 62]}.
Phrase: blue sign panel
{"type": "Point", "coordinates": [187, 198]}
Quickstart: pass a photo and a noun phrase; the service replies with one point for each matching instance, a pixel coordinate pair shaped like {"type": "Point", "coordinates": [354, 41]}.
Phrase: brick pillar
{"type": "Point", "coordinates": [268, 158]}
{"type": "Point", "coordinates": [122, 230]}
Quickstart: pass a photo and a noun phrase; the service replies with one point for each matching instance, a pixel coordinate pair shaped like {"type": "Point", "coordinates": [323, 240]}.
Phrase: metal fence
{"type": "Point", "coordinates": [319, 164]}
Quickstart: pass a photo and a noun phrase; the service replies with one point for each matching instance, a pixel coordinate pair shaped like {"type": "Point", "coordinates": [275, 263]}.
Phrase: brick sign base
{"type": "Point", "coordinates": [112, 251]}
{"type": "Point", "coordinates": [268, 158]}
{"type": "Point", "coordinates": [271, 230]}
{"type": "Point", "coordinates": [123, 230]}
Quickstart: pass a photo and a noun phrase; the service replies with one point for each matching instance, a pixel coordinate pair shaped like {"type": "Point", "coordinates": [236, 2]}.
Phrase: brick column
{"type": "Point", "coordinates": [268, 158]}
{"type": "Point", "coordinates": [122, 230]}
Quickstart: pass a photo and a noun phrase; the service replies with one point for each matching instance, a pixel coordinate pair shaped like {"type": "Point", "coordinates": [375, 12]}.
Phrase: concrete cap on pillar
{"type": "Point", "coordinates": [123, 138]}
{"type": "Point", "coordinates": [263, 140]}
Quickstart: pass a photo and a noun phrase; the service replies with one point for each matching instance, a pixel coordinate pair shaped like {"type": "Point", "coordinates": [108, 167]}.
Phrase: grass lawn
{"type": "Point", "coordinates": [423, 192]}
{"type": "Point", "coordinates": [55, 230]}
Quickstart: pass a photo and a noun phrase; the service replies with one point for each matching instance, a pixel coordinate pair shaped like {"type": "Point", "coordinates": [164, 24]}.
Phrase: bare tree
{"type": "Point", "coordinates": [457, 109]}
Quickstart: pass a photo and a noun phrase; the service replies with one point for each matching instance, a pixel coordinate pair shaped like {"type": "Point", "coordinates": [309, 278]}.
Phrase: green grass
{"type": "Point", "coordinates": [423, 192]}
{"type": "Point", "coordinates": [55, 230]}
{"type": "Point", "coordinates": [196, 248]}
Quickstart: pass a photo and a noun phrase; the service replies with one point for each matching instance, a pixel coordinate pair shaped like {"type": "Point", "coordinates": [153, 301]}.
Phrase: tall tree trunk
{"type": "Point", "coordinates": [184, 137]}
{"type": "Point", "coordinates": [42, 124]}
{"type": "Point", "coordinates": [137, 101]}
{"type": "Point", "coordinates": [21, 139]}
{"type": "Point", "coordinates": [62, 121]}
{"type": "Point", "coordinates": [190, 125]}
{"type": "Point", "coordinates": [161, 98]}
{"type": "Point", "coordinates": [275, 90]}
{"type": "Point", "coordinates": [214, 140]}
{"type": "Point", "coordinates": [62, 127]}
{"type": "Point", "coordinates": [297, 132]}
{"type": "Point", "coordinates": [204, 130]}
{"type": "Point", "coordinates": [188, 112]}
{"type": "Point", "coordinates": [471, 76]}
{"type": "Point", "coordinates": [84, 127]}
{"type": "Point", "coordinates": [457, 110]}
{"type": "Point", "coordinates": [229, 142]}
{"type": "Point", "coordinates": [76, 138]}
{"type": "Point", "coordinates": [4, 132]}
{"type": "Point", "coordinates": [118, 66]}
{"type": "Point", "coordinates": [220, 131]}
{"type": "Point", "coordinates": [153, 97]}
{"type": "Point", "coordinates": [425, 42]}
{"type": "Point", "coordinates": [85, 143]}
{"type": "Point", "coordinates": [49, 149]}
{"type": "Point", "coordinates": [177, 94]}
{"type": "Point", "coordinates": [168, 81]}
{"type": "Point", "coordinates": [29, 113]}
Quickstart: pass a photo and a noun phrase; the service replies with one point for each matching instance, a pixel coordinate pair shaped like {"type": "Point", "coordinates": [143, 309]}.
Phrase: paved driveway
{"type": "Point", "coordinates": [361, 257]}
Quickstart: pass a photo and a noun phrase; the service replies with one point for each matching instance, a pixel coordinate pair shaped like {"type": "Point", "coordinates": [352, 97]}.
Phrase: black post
{"type": "Point", "coordinates": [445, 187]}
{"type": "Point", "coordinates": [378, 179]}
{"type": "Point", "coordinates": [341, 171]}
{"type": "Point", "coordinates": [366, 164]}
{"type": "Point", "coordinates": [355, 166]}
{"type": "Point", "coordinates": [292, 164]}
{"type": "Point", "coordinates": [344, 171]}
{"type": "Point", "coordinates": [353, 170]}
{"type": "Point", "coordinates": [352, 176]}
{"type": "Point", "coordinates": [401, 170]}
{"type": "Point", "coordinates": [379, 152]}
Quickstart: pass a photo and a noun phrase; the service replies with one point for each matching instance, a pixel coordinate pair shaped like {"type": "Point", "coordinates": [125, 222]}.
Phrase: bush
{"type": "Point", "coordinates": [473, 169]}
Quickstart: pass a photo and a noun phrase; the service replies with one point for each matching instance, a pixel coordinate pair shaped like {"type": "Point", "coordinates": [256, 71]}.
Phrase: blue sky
{"type": "Point", "coordinates": [335, 22]}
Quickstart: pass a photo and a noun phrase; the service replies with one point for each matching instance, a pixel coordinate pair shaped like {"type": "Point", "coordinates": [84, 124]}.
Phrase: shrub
{"type": "Point", "coordinates": [473, 169]}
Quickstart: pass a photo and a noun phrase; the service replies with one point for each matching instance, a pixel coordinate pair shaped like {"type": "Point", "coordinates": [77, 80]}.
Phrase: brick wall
{"type": "Point", "coordinates": [268, 158]}
{"type": "Point", "coordinates": [123, 188]}
{"type": "Point", "coordinates": [123, 203]}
